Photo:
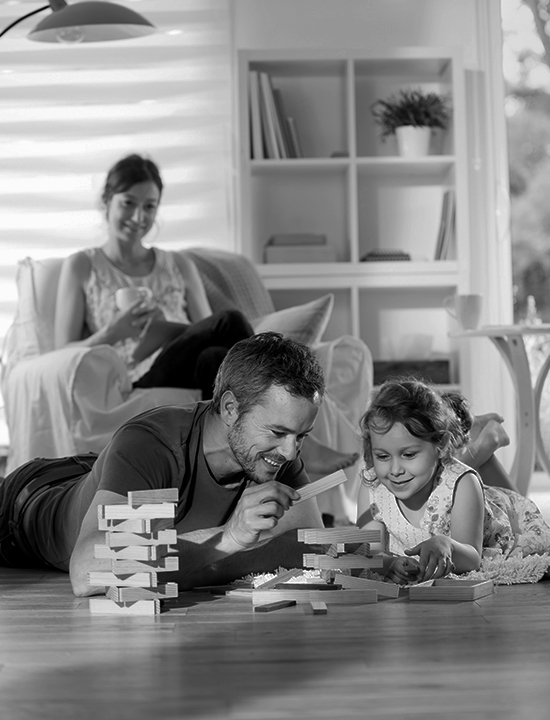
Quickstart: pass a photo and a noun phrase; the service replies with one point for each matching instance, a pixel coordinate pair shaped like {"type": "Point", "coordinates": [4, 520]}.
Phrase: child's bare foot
{"type": "Point", "coordinates": [320, 460]}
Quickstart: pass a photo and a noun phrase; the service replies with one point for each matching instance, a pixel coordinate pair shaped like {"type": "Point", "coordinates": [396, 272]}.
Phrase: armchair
{"type": "Point", "coordinates": [61, 402]}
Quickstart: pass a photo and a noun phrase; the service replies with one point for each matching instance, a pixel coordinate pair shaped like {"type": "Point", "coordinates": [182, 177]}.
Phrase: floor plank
{"type": "Point", "coordinates": [210, 657]}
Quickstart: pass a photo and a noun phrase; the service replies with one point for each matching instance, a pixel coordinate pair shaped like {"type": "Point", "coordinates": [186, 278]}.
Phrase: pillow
{"type": "Point", "coordinates": [304, 323]}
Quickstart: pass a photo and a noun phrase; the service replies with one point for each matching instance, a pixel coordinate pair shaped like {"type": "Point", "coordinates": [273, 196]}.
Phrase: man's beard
{"type": "Point", "coordinates": [239, 447]}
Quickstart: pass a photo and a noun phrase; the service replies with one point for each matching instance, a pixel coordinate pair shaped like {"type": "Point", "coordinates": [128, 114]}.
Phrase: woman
{"type": "Point", "coordinates": [172, 341]}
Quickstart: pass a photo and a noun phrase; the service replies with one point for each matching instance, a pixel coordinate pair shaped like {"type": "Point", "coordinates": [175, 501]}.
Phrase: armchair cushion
{"type": "Point", "coordinates": [304, 323]}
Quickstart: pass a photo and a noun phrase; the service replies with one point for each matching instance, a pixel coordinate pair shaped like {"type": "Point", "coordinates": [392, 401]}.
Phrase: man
{"type": "Point", "coordinates": [235, 461]}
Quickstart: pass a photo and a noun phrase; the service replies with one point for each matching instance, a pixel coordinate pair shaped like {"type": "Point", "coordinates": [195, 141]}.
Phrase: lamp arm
{"type": "Point", "coordinates": [24, 17]}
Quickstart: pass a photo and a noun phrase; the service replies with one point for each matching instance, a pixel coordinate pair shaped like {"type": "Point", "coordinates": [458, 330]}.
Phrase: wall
{"type": "Point", "coordinates": [474, 26]}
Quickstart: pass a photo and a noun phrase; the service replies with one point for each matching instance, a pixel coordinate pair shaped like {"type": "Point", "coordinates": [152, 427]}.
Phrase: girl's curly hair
{"type": "Point", "coordinates": [421, 410]}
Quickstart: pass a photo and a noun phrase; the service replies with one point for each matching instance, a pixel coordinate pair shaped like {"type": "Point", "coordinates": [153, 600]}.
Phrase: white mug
{"type": "Point", "coordinates": [464, 308]}
{"type": "Point", "coordinates": [127, 296]}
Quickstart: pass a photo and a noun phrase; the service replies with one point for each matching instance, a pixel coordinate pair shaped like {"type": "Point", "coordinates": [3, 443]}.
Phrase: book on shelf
{"type": "Point", "coordinates": [273, 134]}
{"type": "Point", "coordinates": [299, 253]}
{"type": "Point", "coordinates": [446, 234]}
{"type": "Point", "coordinates": [385, 256]}
{"type": "Point", "coordinates": [266, 113]}
{"type": "Point", "coordinates": [297, 239]}
{"type": "Point", "coordinates": [295, 144]}
{"type": "Point", "coordinates": [256, 137]}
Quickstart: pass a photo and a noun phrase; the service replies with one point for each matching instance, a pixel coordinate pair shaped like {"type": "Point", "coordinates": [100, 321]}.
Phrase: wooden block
{"type": "Point", "coordinates": [100, 578]}
{"type": "Point", "coordinates": [131, 594]}
{"type": "Point", "coordinates": [332, 536]}
{"type": "Point", "coordinates": [122, 511]}
{"type": "Point", "coordinates": [146, 497]}
{"type": "Point", "coordinates": [269, 607]}
{"type": "Point", "coordinates": [325, 562]}
{"type": "Point", "coordinates": [306, 586]}
{"type": "Point", "coordinates": [105, 606]}
{"type": "Point", "coordinates": [131, 552]}
{"type": "Point", "coordinates": [319, 486]}
{"type": "Point", "coordinates": [281, 577]}
{"type": "Point", "coordinates": [384, 589]}
{"type": "Point", "coordinates": [338, 597]}
{"type": "Point", "coordinates": [162, 537]}
{"type": "Point", "coordinates": [124, 566]}
{"type": "Point", "coordinates": [136, 526]}
{"type": "Point", "coordinates": [319, 608]}
{"type": "Point", "coordinates": [451, 590]}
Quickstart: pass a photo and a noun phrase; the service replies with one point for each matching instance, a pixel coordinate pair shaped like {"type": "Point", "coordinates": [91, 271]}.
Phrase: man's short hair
{"type": "Point", "coordinates": [253, 365]}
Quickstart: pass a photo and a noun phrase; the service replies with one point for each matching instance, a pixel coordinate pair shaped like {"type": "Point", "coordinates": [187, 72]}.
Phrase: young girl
{"type": "Point", "coordinates": [432, 505]}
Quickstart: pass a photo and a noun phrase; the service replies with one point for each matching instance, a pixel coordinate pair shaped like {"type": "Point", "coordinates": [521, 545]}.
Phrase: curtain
{"type": "Point", "coordinates": [68, 112]}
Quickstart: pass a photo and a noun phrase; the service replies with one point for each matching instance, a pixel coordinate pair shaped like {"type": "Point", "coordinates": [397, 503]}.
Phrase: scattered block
{"type": "Point", "coordinates": [279, 605]}
{"type": "Point", "coordinates": [338, 597]}
{"type": "Point", "coordinates": [452, 590]}
{"type": "Point", "coordinates": [319, 486]}
{"type": "Point", "coordinates": [384, 589]}
{"type": "Point", "coordinates": [305, 586]}
{"type": "Point", "coordinates": [319, 608]}
{"type": "Point", "coordinates": [350, 561]}
{"type": "Point", "coordinates": [280, 578]}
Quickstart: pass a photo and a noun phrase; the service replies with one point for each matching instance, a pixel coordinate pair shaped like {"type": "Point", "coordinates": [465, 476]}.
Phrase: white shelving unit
{"type": "Point", "coordinates": [356, 190]}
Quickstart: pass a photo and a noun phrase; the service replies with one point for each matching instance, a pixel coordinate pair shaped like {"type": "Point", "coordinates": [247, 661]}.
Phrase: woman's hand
{"type": "Point", "coordinates": [134, 321]}
{"type": "Point", "coordinates": [403, 571]}
{"type": "Point", "coordinates": [435, 557]}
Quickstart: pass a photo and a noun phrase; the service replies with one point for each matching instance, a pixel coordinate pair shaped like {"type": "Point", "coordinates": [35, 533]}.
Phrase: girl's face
{"type": "Point", "coordinates": [131, 214]}
{"type": "Point", "coordinates": [404, 464]}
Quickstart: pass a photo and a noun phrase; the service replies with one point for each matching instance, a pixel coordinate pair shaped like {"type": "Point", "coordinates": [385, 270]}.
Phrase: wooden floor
{"type": "Point", "coordinates": [212, 657]}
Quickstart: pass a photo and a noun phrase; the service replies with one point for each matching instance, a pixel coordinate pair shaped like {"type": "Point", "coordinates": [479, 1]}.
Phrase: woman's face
{"type": "Point", "coordinates": [131, 214]}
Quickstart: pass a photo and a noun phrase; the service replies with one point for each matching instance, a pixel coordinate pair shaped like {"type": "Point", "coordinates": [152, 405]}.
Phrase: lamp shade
{"type": "Point", "coordinates": [90, 22]}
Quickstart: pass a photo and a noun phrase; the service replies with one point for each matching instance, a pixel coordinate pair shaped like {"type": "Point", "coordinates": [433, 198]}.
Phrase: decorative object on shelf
{"type": "Point", "coordinates": [464, 308]}
{"type": "Point", "coordinates": [446, 237]}
{"type": "Point", "coordinates": [385, 256]}
{"type": "Point", "coordinates": [416, 111]}
{"type": "Point", "coordinates": [299, 248]}
{"type": "Point", "coordinates": [433, 371]}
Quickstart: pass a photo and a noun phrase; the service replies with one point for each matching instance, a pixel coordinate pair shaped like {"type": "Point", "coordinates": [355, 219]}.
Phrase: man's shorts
{"type": "Point", "coordinates": [17, 489]}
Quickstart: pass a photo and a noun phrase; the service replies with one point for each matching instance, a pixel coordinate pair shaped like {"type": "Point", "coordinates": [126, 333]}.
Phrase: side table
{"type": "Point", "coordinates": [509, 340]}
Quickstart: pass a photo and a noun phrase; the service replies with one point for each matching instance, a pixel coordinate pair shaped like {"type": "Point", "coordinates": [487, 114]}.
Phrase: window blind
{"type": "Point", "coordinates": [68, 112]}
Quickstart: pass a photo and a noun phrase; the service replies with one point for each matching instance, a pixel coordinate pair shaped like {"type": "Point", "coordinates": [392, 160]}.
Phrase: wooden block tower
{"type": "Point", "coordinates": [138, 539]}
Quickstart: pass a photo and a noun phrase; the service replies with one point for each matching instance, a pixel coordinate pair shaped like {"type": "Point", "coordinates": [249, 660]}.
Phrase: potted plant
{"type": "Point", "coordinates": [411, 116]}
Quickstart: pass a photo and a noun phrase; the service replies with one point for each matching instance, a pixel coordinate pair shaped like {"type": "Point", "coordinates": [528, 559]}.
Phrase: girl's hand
{"type": "Point", "coordinates": [436, 557]}
{"type": "Point", "coordinates": [403, 570]}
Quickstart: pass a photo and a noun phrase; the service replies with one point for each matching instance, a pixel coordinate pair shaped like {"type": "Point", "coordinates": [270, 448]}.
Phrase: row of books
{"type": "Point", "coordinates": [446, 236]}
{"type": "Point", "coordinates": [273, 133]}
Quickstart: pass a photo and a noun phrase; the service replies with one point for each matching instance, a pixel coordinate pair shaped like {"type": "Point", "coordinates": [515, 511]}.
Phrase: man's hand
{"type": "Point", "coordinates": [260, 508]}
{"type": "Point", "coordinates": [403, 571]}
{"type": "Point", "coordinates": [436, 557]}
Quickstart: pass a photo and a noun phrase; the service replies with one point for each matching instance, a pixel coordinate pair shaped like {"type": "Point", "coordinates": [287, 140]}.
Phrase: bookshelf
{"type": "Point", "coordinates": [353, 188]}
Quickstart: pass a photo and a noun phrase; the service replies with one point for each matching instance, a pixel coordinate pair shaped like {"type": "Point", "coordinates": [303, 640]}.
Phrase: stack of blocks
{"type": "Point", "coordinates": [138, 539]}
{"type": "Point", "coordinates": [346, 589]}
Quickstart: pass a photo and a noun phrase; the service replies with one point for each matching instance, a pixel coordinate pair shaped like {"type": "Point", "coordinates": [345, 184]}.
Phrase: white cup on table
{"type": "Point", "coordinates": [466, 309]}
{"type": "Point", "coordinates": [127, 296]}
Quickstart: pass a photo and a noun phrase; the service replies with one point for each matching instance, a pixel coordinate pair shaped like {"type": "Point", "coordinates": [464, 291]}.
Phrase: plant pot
{"type": "Point", "coordinates": [413, 141]}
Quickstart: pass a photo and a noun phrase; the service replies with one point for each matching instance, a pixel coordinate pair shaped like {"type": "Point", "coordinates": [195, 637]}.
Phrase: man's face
{"type": "Point", "coordinates": [271, 433]}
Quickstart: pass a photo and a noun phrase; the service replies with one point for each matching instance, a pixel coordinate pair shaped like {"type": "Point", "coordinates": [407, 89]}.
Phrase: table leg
{"type": "Point", "coordinates": [539, 387]}
{"type": "Point", "coordinates": [512, 349]}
